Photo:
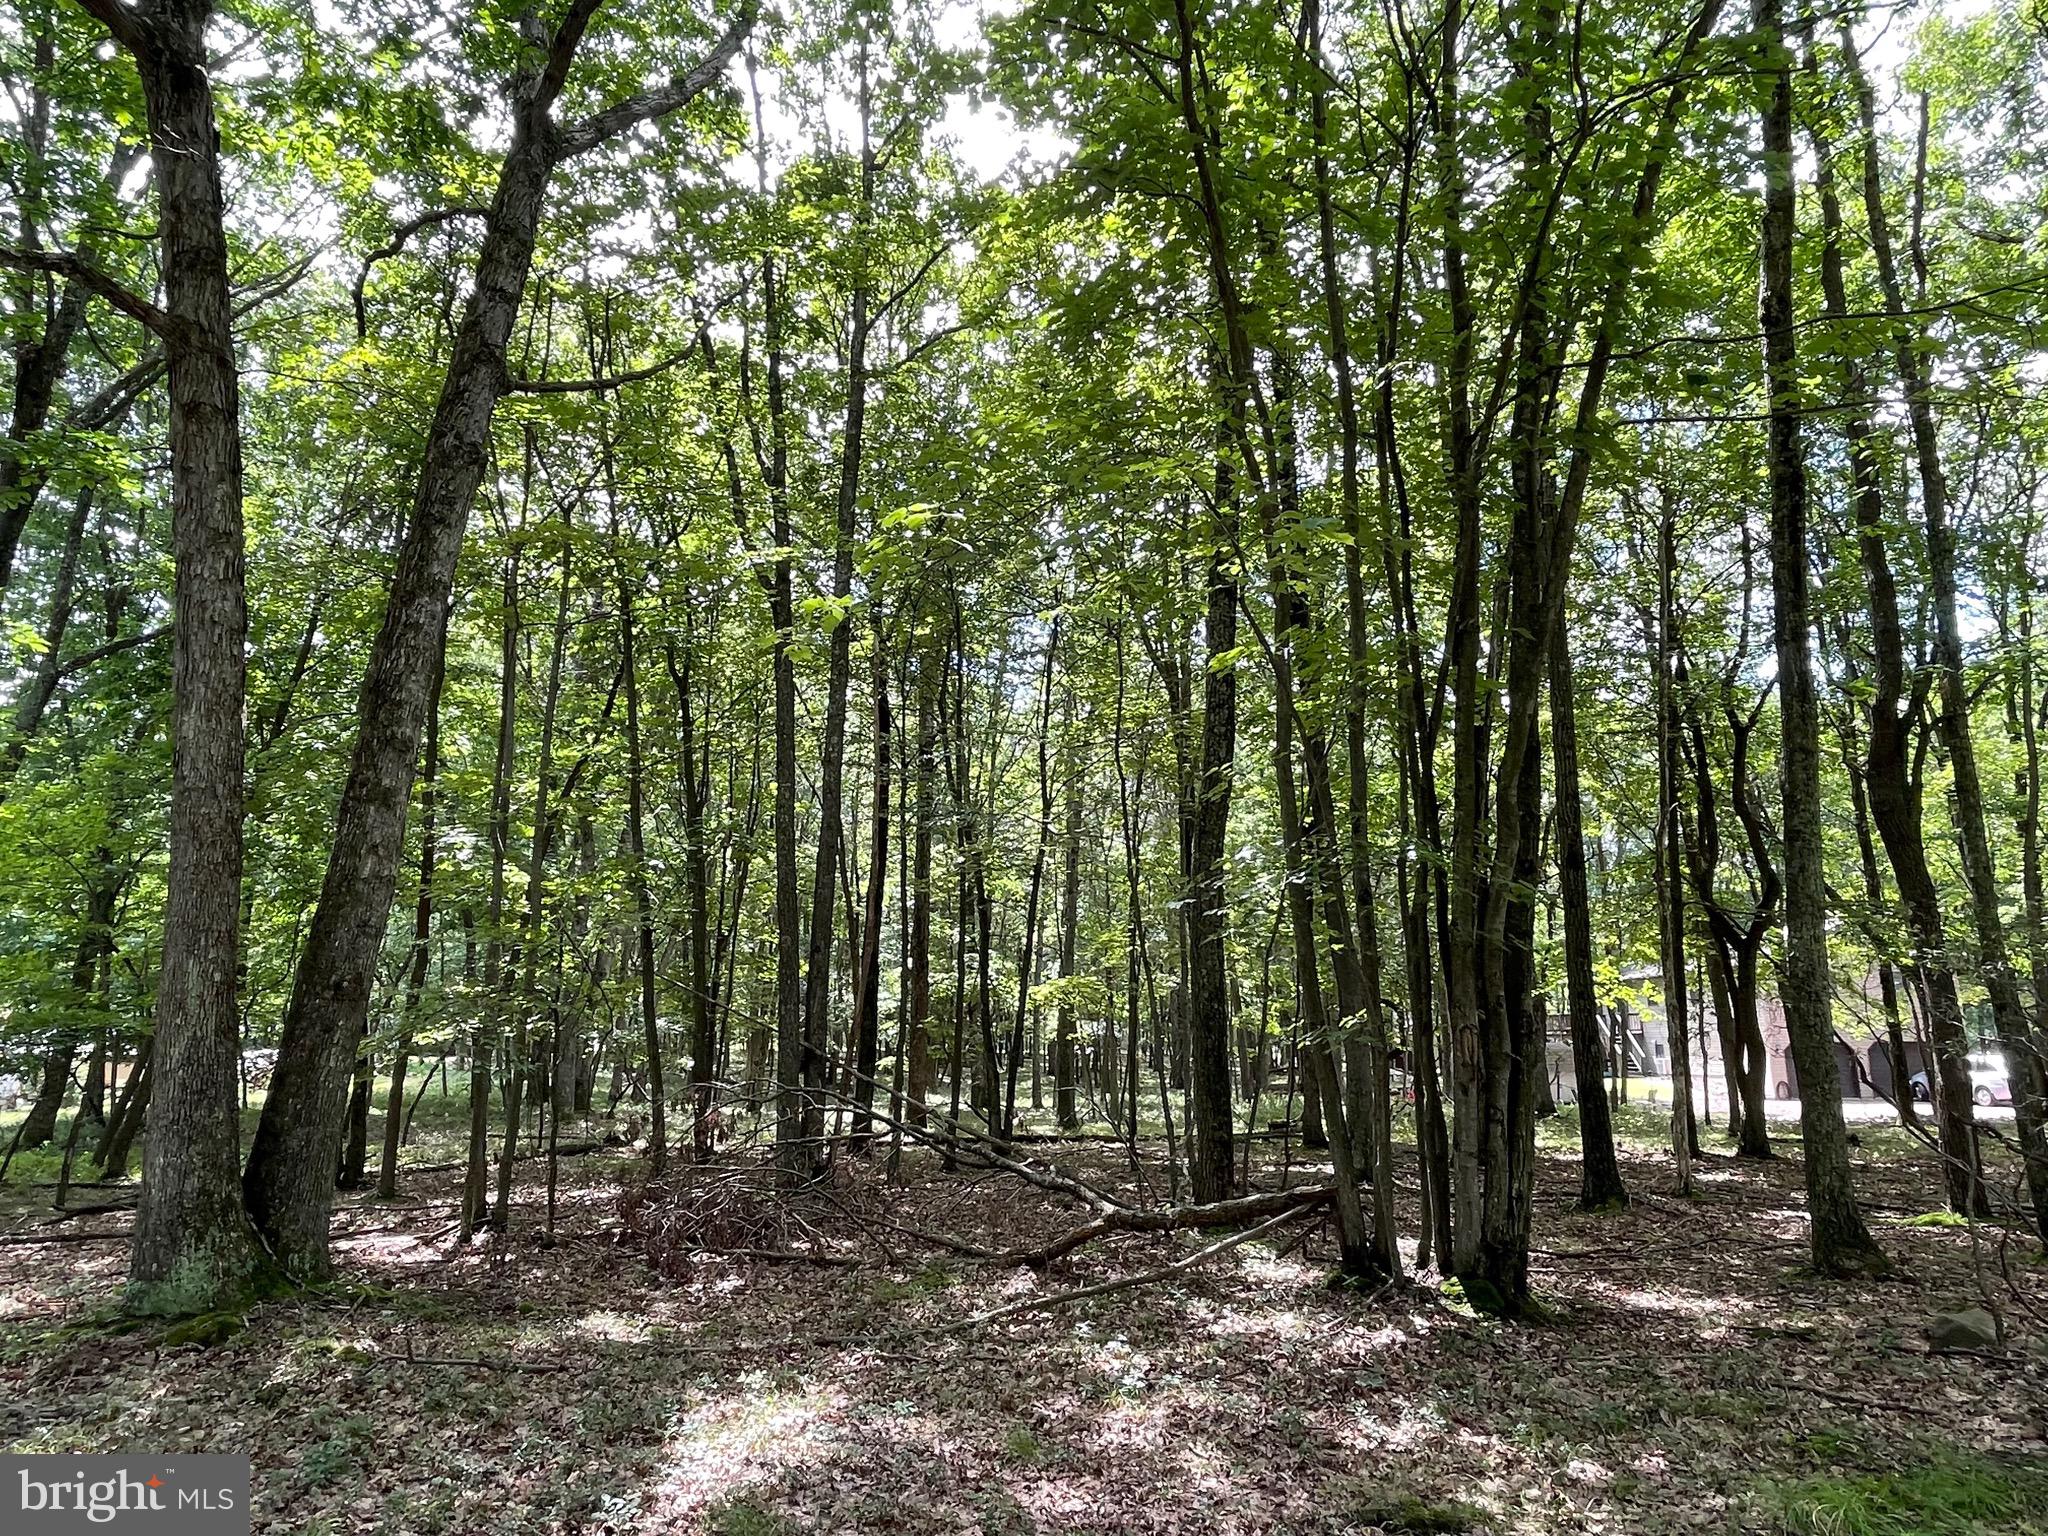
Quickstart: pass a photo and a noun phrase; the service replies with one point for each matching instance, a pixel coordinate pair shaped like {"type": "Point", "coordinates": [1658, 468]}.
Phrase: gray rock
{"type": "Point", "coordinates": [1971, 1328]}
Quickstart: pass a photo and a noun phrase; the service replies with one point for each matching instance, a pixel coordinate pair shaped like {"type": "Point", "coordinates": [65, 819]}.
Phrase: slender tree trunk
{"type": "Point", "coordinates": [1671, 850]}
{"type": "Point", "coordinates": [696, 857]}
{"type": "Point", "coordinates": [1841, 1244]}
{"type": "Point", "coordinates": [1027, 959]}
{"type": "Point", "coordinates": [1600, 1181]}
{"type": "Point", "coordinates": [125, 1123]}
{"type": "Point", "coordinates": [331, 991]}
{"type": "Point", "coordinates": [867, 1023]}
{"type": "Point", "coordinates": [355, 1151]}
{"type": "Point", "coordinates": [523, 994]}
{"type": "Point", "coordinates": [422, 932]}
{"type": "Point", "coordinates": [42, 683]}
{"type": "Point", "coordinates": [490, 1027]}
{"type": "Point", "coordinates": [1066, 1107]}
{"type": "Point", "coordinates": [839, 665]}
{"type": "Point", "coordinates": [636, 876]}
{"type": "Point", "coordinates": [1887, 775]}
{"type": "Point", "coordinates": [2023, 1051]}
{"type": "Point", "coordinates": [920, 994]}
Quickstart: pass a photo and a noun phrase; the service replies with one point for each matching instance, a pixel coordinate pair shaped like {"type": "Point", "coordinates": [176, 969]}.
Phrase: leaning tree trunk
{"type": "Point", "coordinates": [289, 1191]}
{"type": "Point", "coordinates": [1888, 778]}
{"type": "Point", "coordinates": [286, 1184]}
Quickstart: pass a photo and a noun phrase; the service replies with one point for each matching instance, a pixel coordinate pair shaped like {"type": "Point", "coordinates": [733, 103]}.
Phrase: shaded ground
{"type": "Point", "coordinates": [1691, 1378]}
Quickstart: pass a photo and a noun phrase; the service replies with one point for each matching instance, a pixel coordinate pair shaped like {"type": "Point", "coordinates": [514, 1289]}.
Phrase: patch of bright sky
{"type": "Point", "coordinates": [988, 139]}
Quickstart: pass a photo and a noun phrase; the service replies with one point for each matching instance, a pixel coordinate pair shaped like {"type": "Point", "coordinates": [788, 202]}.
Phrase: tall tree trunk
{"type": "Point", "coordinates": [636, 875]}
{"type": "Point", "coordinates": [1027, 960]}
{"type": "Point", "coordinates": [192, 1248]}
{"type": "Point", "coordinates": [1888, 776]}
{"type": "Point", "coordinates": [1671, 849]}
{"type": "Point", "coordinates": [1600, 1181]}
{"type": "Point", "coordinates": [331, 991]}
{"type": "Point", "coordinates": [422, 932]}
{"type": "Point", "coordinates": [839, 663]}
{"type": "Point", "coordinates": [490, 1026]}
{"type": "Point", "coordinates": [867, 1022]}
{"type": "Point", "coordinates": [1066, 1106]}
{"type": "Point", "coordinates": [1841, 1244]}
{"type": "Point", "coordinates": [330, 995]}
{"type": "Point", "coordinates": [920, 963]}
{"type": "Point", "coordinates": [523, 994]}
{"type": "Point", "coordinates": [1980, 875]}
{"type": "Point", "coordinates": [696, 779]}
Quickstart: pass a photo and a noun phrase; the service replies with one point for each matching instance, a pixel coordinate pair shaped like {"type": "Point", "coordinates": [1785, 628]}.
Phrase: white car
{"type": "Point", "coordinates": [1989, 1082]}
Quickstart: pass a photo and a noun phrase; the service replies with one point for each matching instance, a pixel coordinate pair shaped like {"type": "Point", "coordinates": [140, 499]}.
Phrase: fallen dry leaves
{"type": "Point", "coordinates": [1687, 1366]}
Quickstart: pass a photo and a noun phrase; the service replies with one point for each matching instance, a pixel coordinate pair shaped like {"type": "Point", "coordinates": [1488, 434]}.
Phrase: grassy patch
{"type": "Point", "coordinates": [743, 1517]}
{"type": "Point", "coordinates": [1945, 1496]}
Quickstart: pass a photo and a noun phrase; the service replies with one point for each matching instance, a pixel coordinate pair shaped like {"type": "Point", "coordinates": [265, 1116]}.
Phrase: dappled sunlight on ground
{"type": "Point", "coordinates": [1685, 1366]}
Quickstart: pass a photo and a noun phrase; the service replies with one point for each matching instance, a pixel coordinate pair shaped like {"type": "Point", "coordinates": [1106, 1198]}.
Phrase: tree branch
{"type": "Point", "coordinates": [586, 386]}
{"type": "Point", "coordinates": [85, 659]}
{"type": "Point", "coordinates": [1129, 1282]}
{"type": "Point", "coordinates": [119, 20]}
{"type": "Point", "coordinates": [67, 265]}
{"type": "Point", "coordinates": [396, 244]}
{"type": "Point", "coordinates": [648, 106]}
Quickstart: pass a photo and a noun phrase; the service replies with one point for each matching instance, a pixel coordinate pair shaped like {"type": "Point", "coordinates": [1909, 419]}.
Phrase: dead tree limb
{"type": "Point", "coordinates": [1130, 1282]}
{"type": "Point", "coordinates": [1179, 1218]}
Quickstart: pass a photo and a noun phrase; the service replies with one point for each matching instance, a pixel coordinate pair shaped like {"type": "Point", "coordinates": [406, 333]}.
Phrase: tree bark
{"type": "Point", "coordinates": [422, 932]}
{"type": "Point", "coordinates": [1840, 1242]}
{"type": "Point", "coordinates": [1600, 1181]}
{"type": "Point", "coordinates": [1895, 714]}
{"type": "Point", "coordinates": [867, 1021]}
{"type": "Point", "coordinates": [2023, 1051]}
{"type": "Point", "coordinates": [192, 1249]}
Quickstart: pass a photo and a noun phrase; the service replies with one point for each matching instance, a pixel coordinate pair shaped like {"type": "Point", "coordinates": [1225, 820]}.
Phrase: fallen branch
{"type": "Point", "coordinates": [964, 1142]}
{"type": "Point", "coordinates": [80, 1212]}
{"type": "Point", "coordinates": [575, 1149]}
{"type": "Point", "coordinates": [539, 1367]}
{"type": "Point", "coordinates": [1129, 1282]}
{"type": "Point", "coordinates": [777, 1256]}
{"type": "Point", "coordinates": [1179, 1218]}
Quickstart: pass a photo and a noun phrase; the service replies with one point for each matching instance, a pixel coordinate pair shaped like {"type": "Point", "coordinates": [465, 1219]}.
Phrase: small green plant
{"type": "Point", "coordinates": [1403, 1514]}
{"type": "Point", "coordinates": [1937, 1219]}
{"type": "Point", "coordinates": [335, 1456]}
{"type": "Point", "coordinates": [1023, 1447]}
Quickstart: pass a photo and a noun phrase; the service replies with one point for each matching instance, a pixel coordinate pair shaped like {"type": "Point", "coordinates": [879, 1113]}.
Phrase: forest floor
{"type": "Point", "coordinates": [1687, 1375]}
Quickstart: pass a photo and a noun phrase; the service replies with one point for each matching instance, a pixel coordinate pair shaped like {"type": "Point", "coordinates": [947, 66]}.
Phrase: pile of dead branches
{"type": "Point", "coordinates": [699, 1211]}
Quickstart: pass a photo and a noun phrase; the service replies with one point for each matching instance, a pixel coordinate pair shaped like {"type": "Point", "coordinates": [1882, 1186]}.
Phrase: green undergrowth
{"type": "Point", "coordinates": [1945, 1495]}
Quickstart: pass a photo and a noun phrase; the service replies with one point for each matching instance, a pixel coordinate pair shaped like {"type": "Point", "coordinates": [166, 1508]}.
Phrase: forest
{"type": "Point", "coordinates": [1270, 766]}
